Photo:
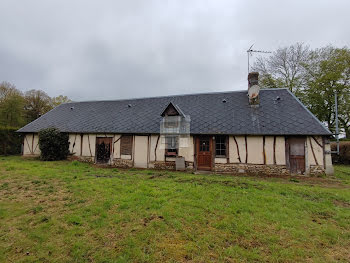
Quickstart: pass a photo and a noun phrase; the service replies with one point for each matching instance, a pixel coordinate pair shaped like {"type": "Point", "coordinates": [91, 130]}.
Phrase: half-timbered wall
{"type": "Point", "coordinates": [31, 144]}
{"type": "Point", "coordinates": [242, 150]}
{"type": "Point", "coordinates": [75, 144]}
{"type": "Point", "coordinates": [257, 149]}
{"type": "Point", "coordinates": [315, 150]}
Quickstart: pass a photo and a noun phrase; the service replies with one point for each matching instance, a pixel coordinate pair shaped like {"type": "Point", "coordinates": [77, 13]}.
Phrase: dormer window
{"type": "Point", "coordinates": [173, 126]}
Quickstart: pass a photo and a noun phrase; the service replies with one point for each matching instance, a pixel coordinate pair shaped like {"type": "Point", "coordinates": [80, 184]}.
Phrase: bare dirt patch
{"type": "Point", "coordinates": [147, 220]}
{"type": "Point", "coordinates": [341, 203]}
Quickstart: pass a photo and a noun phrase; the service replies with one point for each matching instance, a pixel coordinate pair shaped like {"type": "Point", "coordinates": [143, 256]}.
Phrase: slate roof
{"type": "Point", "coordinates": [279, 113]}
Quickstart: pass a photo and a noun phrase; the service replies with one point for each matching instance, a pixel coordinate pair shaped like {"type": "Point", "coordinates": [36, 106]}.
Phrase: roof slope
{"type": "Point", "coordinates": [279, 113]}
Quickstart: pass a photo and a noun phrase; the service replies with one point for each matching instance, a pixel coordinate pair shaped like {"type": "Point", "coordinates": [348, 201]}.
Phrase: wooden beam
{"type": "Point", "coordinates": [25, 136]}
{"type": "Point", "coordinates": [313, 153]}
{"type": "Point", "coordinates": [195, 153]}
{"type": "Point", "coordinates": [246, 149]}
{"type": "Point", "coordinates": [264, 152]}
{"type": "Point", "coordinates": [324, 152]}
{"type": "Point", "coordinates": [75, 138]}
{"type": "Point", "coordinates": [155, 149]}
{"type": "Point", "coordinates": [227, 140]}
{"type": "Point", "coordinates": [81, 143]}
{"type": "Point", "coordinates": [133, 150]}
{"type": "Point", "coordinates": [148, 150]}
{"type": "Point", "coordinates": [36, 147]}
{"type": "Point", "coordinates": [316, 141]}
{"type": "Point", "coordinates": [89, 145]}
{"type": "Point", "coordinates": [112, 149]}
{"type": "Point", "coordinates": [33, 144]}
{"type": "Point", "coordinates": [118, 139]}
{"type": "Point", "coordinates": [287, 152]}
{"type": "Point", "coordinates": [239, 156]}
{"type": "Point", "coordinates": [274, 150]}
{"type": "Point", "coordinates": [212, 141]}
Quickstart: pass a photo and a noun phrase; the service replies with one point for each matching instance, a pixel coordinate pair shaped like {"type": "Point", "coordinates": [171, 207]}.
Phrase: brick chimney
{"type": "Point", "coordinates": [253, 79]}
{"type": "Point", "coordinates": [253, 94]}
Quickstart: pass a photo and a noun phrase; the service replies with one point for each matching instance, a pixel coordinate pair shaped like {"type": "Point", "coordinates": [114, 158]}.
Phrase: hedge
{"type": "Point", "coordinates": [10, 141]}
{"type": "Point", "coordinates": [344, 152]}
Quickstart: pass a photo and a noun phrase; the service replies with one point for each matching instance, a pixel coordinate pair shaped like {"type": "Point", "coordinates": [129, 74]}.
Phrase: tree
{"type": "Point", "coordinates": [314, 76]}
{"type": "Point", "coordinates": [283, 69]}
{"type": "Point", "coordinates": [327, 72]}
{"type": "Point", "coordinates": [11, 105]}
{"type": "Point", "coordinates": [55, 101]}
{"type": "Point", "coordinates": [344, 117]}
{"type": "Point", "coordinates": [37, 103]}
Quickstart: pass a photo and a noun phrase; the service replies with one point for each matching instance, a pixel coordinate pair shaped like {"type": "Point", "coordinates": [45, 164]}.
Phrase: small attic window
{"type": "Point", "coordinates": [171, 111]}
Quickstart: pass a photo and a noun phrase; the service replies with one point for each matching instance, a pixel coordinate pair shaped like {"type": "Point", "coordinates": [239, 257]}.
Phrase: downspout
{"type": "Point", "coordinates": [336, 122]}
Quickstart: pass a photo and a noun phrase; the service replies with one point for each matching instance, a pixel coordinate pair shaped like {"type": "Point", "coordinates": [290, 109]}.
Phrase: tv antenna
{"type": "Point", "coordinates": [250, 52]}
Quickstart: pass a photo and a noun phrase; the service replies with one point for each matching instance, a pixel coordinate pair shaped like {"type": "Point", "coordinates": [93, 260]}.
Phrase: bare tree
{"type": "Point", "coordinates": [284, 68]}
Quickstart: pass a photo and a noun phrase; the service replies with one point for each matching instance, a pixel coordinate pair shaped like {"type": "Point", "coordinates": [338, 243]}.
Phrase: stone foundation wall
{"type": "Point", "coordinates": [230, 168]}
{"type": "Point", "coordinates": [262, 169]}
{"type": "Point", "coordinates": [86, 159]}
{"type": "Point", "coordinates": [170, 165]}
{"type": "Point", "coordinates": [252, 169]}
{"type": "Point", "coordinates": [189, 165]}
{"type": "Point", "coordinates": [122, 163]}
{"type": "Point", "coordinates": [317, 170]}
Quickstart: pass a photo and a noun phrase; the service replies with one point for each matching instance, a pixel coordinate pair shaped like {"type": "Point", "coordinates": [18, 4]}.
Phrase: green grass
{"type": "Point", "coordinates": [75, 212]}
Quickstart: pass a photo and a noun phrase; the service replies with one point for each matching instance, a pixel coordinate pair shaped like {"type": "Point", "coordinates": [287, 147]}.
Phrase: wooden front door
{"type": "Point", "coordinates": [103, 149]}
{"type": "Point", "coordinates": [204, 153]}
{"type": "Point", "coordinates": [295, 147]}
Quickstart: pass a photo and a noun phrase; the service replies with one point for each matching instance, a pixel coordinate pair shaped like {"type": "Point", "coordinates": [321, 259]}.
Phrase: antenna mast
{"type": "Point", "coordinates": [250, 52]}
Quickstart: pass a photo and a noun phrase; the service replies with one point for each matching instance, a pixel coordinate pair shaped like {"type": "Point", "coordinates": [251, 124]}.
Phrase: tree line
{"type": "Point", "coordinates": [314, 76]}
{"type": "Point", "coordinates": [18, 108]}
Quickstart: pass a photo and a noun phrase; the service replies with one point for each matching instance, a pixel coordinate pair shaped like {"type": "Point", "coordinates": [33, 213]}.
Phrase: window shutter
{"type": "Point", "coordinates": [126, 145]}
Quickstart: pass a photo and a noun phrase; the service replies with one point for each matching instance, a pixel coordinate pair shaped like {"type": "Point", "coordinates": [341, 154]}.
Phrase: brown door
{"type": "Point", "coordinates": [103, 149]}
{"type": "Point", "coordinates": [296, 152]}
{"type": "Point", "coordinates": [204, 153]}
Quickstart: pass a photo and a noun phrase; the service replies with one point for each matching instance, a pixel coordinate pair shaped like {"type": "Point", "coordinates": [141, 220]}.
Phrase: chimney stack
{"type": "Point", "coordinates": [253, 88]}
{"type": "Point", "coordinates": [253, 79]}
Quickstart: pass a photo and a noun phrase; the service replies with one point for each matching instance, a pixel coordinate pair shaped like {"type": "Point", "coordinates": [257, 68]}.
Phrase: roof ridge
{"type": "Point", "coordinates": [178, 95]}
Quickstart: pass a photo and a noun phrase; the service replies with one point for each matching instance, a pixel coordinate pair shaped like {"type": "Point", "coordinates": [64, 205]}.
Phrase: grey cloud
{"type": "Point", "coordinates": [91, 50]}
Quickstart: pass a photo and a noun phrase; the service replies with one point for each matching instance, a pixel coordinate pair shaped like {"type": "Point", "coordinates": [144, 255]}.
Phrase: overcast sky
{"type": "Point", "coordinates": [92, 50]}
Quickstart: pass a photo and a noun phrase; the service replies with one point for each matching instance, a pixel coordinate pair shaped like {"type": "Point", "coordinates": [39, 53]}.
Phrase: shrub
{"type": "Point", "coordinates": [53, 144]}
{"type": "Point", "coordinates": [344, 152]}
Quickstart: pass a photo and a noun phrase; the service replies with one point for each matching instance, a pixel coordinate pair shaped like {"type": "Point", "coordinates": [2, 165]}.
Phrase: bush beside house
{"type": "Point", "coordinates": [53, 144]}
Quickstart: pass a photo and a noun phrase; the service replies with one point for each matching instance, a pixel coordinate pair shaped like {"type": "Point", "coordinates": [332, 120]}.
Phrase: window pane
{"type": "Point", "coordinates": [220, 145]}
{"type": "Point", "coordinates": [171, 145]}
{"type": "Point", "coordinates": [204, 145]}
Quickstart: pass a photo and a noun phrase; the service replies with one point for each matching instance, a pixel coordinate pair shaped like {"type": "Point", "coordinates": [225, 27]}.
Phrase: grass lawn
{"type": "Point", "coordinates": [75, 212]}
